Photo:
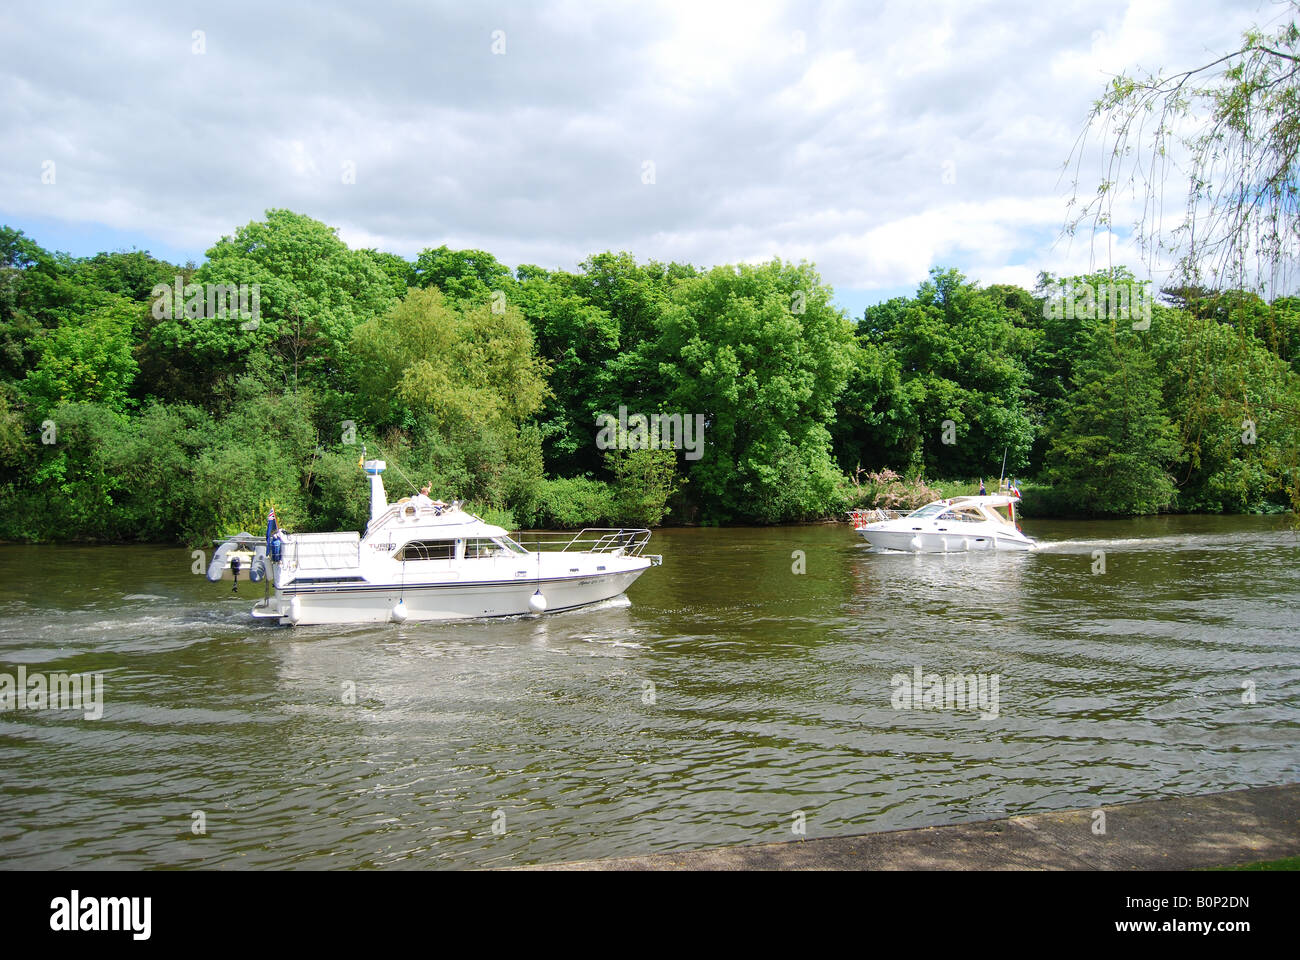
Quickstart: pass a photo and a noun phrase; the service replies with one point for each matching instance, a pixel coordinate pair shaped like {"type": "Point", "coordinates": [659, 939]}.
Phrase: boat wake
{"type": "Point", "coordinates": [1185, 541]}
{"type": "Point", "coordinates": [1081, 546]}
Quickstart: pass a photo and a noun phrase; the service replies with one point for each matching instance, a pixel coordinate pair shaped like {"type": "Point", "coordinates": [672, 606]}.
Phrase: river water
{"type": "Point", "coordinates": [727, 699]}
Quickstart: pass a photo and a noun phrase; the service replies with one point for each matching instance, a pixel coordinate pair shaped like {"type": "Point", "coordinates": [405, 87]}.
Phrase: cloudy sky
{"type": "Point", "coordinates": [874, 139]}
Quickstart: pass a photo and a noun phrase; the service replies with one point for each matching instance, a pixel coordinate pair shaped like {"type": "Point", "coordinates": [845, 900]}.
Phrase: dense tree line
{"type": "Point", "coordinates": [131, 409]}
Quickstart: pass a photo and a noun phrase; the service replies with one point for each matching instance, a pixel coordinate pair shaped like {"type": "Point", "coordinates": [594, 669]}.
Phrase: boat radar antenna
{"type": "Point", "coordinates": [1002, 476]}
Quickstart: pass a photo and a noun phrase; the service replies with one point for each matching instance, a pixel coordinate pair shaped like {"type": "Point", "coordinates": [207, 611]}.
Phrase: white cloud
{"type": "Point", "coordinates": [876, 142]}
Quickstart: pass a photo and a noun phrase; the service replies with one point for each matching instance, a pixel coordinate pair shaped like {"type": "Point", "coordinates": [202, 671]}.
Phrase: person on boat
{"type": "Point", "coordinates": [421, 499]}
{"type": "Point", "coordinates": [273, 537]}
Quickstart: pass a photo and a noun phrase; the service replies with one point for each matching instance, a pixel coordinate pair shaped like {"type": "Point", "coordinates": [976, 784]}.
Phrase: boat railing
{"type": "Point", "coordinates": [624, 541]}
{"type": "Point", "coordinates": [322, 551]}
{"type": "Point", "coordinates": [405, 509]}
{"type": "Point", "coordinates": [875, 515]}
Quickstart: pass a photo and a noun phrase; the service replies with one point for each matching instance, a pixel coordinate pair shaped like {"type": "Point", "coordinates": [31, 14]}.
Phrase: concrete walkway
{"type": "Point", "coordinates": [1243, 826]}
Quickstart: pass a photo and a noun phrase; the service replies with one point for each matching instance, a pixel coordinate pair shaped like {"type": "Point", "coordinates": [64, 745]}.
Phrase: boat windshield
{"type": "Point", "coordinates": [511, 545]}
{"type": "Point", "coordinates": [929, 510]}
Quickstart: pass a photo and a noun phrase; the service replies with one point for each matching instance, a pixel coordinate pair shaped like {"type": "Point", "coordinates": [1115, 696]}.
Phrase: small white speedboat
{"type": "Point", "coordinates": [954, 525]}
{"type": "Point", "coordinates": [426, 560]}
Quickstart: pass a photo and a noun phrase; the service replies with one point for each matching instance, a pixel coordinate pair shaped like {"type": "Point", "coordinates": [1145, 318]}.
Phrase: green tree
{"type": "Point", "coordinates": [132, 275]}
{"type": "Point", "coordinates": [1227, 133]}
{"type": "Point", "coordinates": [875, 423]}
{"type": "Point", "coordinates": [963, 377]}
{"type": "Point", "coordinates": [41, 291]}
{"type": "Point", "coordinates": [762, 355]}
{"type": "Point", "coordinates": [1112, 442]}
{"type": "Point", "coordinates": [1229, 130]}
{"type": "Point", "coordinates": [89, 360]}
{"type": "Point", "coordinates": [644, 481]}
{"type": "Point", "coordinates": [314, 291]}
{"type": "Point", "coordinates": [15, 443]}
{"type": "Point", "coordinates": [580, 342]}
{"type": "Point", "coordinates": [461, 381]}
{"type": "Point", "coordinates": [461, 275]}
{"type": "Point", "coordinates": [400, 271]}
{"type": "Point", "coordinates": [1236, 405]}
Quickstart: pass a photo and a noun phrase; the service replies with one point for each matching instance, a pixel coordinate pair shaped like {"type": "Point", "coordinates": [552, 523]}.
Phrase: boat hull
{"type": "Point", "coordinates": [363, 603]}
{"type": "Point", "coordinates": [914, 541]}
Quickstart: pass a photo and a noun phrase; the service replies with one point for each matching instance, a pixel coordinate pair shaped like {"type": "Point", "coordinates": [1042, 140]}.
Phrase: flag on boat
{"type": "Point", "coordinates": [272, 528]}
{"type": "Point", "coordinates": [1013, 489]}
{"type": "Point", "coordinates": [983, 492]}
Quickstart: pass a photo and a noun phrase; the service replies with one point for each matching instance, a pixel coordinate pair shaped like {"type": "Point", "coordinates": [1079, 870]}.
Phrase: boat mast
{"type": "Point", "coordinates": [378, 498]}
{"type": "Point", "coordinates": [1003, 488]}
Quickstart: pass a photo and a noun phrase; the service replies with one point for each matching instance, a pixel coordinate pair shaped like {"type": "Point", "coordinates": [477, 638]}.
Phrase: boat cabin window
{"type": "Point", "coordinates": [498, 547]}
{"type": "Point", "coordinates": [929, 510]}
{"type": "Point", "coordinates": [477, 548]}
{"type": "Point", "coordinates": [428, 550]}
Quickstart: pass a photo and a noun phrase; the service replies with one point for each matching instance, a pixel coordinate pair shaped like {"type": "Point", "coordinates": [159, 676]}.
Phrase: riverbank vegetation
{"type": "Point", "coordinates": [121, 420]}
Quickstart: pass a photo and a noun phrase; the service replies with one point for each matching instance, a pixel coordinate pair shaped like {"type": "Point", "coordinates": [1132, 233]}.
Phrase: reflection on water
{"type": "Point", "coordinates": [727, 694]}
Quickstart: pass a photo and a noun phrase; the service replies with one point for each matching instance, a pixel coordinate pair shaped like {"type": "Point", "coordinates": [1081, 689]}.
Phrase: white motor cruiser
{"type": "Point", "coordinates": [425, 560]}
{"type": "Point", "coordinates": [947, 526]}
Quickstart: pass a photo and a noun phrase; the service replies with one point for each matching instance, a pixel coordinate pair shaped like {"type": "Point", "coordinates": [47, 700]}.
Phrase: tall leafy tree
{"type": "Point", "coordinates": [461, 382]}
{"type": "Point", "coordinates": [1228, 132]}
{"type": "Point", "coordinates": [580, 342]}
{"type": "Point", "coordinates": [1112, 443]}
{"type": "Point", "coordinates": [595, 328]}
{"type": "Point", "coordinates": [400, 271]}
{"type": "Point", "coordinates": [314, 291]}
{"type": "Point", "coordinates": [963, 376]}
{"type": "Point", "coordinates": [1224, 137]}
{"type": "Point", "coordinates": [88, 359]}
{"type": "Point", "coordinates": [875, 424]}
{"type": "Point", "coordinates": [636, 296]}
{"type": "Point", "coordinates": [762, 354]}
{"type": "Point", "coordinates": [39, 290]}
{"type": "Point", "coordinates": [1236, 405]}
{"type": "Point", "coordinates": [461, 275]}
